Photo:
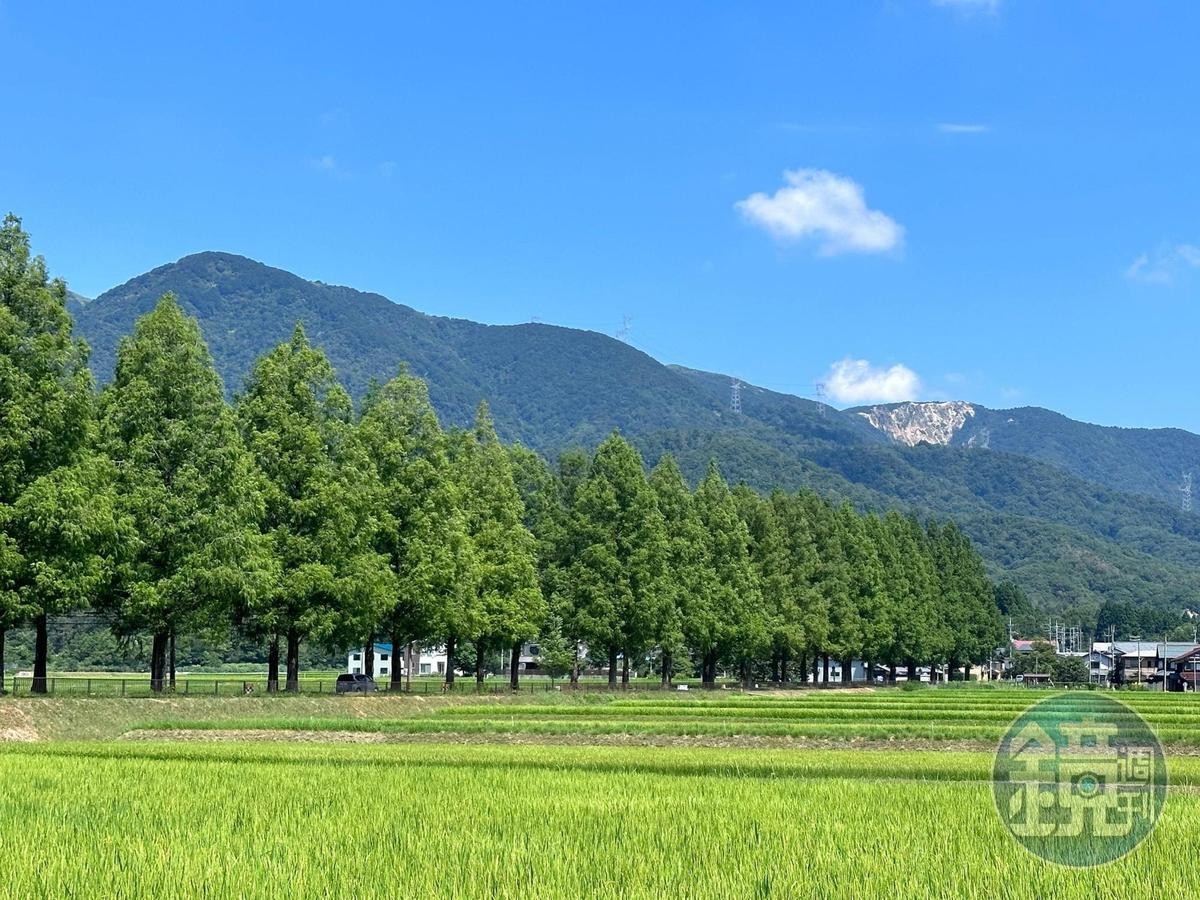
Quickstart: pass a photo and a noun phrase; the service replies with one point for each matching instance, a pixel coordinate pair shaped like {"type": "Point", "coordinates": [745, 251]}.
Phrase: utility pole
{"type": "Point", "coordinates": [735, 396]}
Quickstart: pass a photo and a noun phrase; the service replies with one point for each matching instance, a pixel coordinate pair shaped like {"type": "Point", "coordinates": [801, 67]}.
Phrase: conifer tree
{"type": "Point", "coordinates": [618, 571]}
{"type": "Point", "coordinates": [687, 574]}
{"type": "Point", "coordinates": [58, 527]}
{"type": "Point", "coordinates": [736, 628]}
{"type": "Point", "coordinates": [185, 483]}
{"type": "Point", "coordinates": [317, 513]}
{"type": "Point", "coordinates": [421, 530]}
{"type": "Point", "coordinates": [509, 608]}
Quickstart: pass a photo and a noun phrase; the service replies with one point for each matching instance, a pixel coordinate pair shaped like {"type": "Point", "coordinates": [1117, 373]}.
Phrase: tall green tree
{"type": "Point", "coordinates": [618, 570]}
{"type": "Point", "coordinates": [184, 482]}
{"type": "Point", "coordinates": [317, 513]}
{"type": "Point", "coordinates": [772, 564]}
{"type": "Point", "coordinates": [509, 605]}
{"type": "Point", "coordinates": [736, 629]}
{"type": "Point", "coordinates": [806, 614]}
{"type": "Point", "coordinates": [49, 562]}
{"type": "Point", "coordinates": [421, 531]}
{"type": "Point", "coordinates": [968, 603]}
{"type": "Point", "coordinates": [687, 574]}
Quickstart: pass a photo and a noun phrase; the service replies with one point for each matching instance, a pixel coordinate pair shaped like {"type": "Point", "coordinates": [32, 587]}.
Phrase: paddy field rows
{"type": "Point", "coordinates": [444, 816]}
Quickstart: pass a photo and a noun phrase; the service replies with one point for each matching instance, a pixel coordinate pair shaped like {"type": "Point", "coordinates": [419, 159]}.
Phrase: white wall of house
{"type": "Point", "coordinates": [432, 661]}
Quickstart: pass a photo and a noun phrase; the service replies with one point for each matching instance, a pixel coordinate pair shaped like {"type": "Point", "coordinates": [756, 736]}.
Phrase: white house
{"type": "Point", "coordinates": [432, 661]}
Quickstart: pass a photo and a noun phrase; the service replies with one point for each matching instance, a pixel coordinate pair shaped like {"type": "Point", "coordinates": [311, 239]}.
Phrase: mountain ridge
{"type": "Point", "coordinates": [1089, 492]}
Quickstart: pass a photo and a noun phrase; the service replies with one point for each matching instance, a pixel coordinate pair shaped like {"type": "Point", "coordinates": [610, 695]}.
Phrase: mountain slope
{"type": "Point", "coordinates": [1051, 502]}
{"type": "Point", "coordinates": [1147, 461]}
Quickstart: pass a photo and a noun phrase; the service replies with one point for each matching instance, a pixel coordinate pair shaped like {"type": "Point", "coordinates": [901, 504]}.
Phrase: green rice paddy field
{"type": "Point", "coordinates": [789, 795]}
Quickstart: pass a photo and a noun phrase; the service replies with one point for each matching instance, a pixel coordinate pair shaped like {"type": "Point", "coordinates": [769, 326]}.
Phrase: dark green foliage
{"type": "Point", "coordinates": [1068, 529]}
{"type": "Point", "coordinates": [184, 482]}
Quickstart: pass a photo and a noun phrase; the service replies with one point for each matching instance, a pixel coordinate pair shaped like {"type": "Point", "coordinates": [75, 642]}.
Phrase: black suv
{"type": "Point", "coordinates": [355, 684]}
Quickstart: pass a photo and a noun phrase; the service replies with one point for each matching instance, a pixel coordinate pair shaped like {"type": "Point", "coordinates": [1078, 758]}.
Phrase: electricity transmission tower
{"type": "Point", "coordinates": [1185, 492]}
{"type": "Point", "coordinates": [624, 331]}
{"type": "Point", "coordinates": [820, 390]}
{"type": "Point", "coordinates": [735, 396]}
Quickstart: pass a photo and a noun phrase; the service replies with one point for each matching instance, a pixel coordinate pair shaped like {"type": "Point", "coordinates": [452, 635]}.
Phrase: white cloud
{"type": "Point", "coordinates": [856, 381]}
{"type": "Point", "coordinates": [991, 7]}
{"type": "Point", "coordinates": [1163, 265]}
{"type": "Point", "coordinates": [820, 204]}
{"type": "Point", "coordinates": [962, 128]}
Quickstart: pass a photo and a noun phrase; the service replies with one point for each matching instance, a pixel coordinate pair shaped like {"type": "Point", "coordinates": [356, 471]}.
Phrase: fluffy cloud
{"type": "Point", "coordinates": [818, 204]}
{"type": "Point", "coordinates": [1164, 264]}
{"type": "Point", "coordinates": [856, 381]}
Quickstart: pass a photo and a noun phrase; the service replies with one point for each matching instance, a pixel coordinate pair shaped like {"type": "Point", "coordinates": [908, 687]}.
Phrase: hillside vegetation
{"type": "Point", "coordinates": [1077, 513]}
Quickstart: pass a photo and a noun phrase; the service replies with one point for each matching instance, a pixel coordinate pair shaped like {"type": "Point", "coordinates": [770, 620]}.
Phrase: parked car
{"type": "Point", "coordinates": [355, 684]}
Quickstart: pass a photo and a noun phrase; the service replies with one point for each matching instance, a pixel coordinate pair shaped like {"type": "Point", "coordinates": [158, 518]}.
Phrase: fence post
{"type": "Point", "coordinates": [187, 686]}
{"type": "Point", "coordinates": [216, 687]}
{"type": "Point", "coordinates": [122, 687]}
{"type": "Point", "coordinates": [53, 684]}
{"type": "Point", "coordinates": [89, 687]}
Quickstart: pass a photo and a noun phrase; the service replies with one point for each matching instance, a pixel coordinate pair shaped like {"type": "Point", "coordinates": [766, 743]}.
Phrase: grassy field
{"type": "Point", "coordinates": [257, 819]}
{"type": "Point", "coordinates": [253, 815]}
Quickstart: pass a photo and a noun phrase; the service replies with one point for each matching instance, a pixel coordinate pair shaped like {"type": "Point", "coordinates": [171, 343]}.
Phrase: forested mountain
{"type": "Point", "coordinates": [1078, 514]}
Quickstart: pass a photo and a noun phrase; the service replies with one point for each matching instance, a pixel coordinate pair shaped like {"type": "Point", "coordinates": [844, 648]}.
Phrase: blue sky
{"type": "Point", "coordinates": [993, 201]}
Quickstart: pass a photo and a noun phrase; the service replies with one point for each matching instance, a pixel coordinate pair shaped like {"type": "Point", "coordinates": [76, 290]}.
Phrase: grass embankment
{"type": "Point", "coordinates": [253, 819]}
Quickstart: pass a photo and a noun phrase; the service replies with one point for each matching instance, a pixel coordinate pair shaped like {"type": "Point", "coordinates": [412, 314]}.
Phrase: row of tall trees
{"type": "Point", "coordinates": [298, 518]}
{"type": "Point", "coordinates": [643, 568]}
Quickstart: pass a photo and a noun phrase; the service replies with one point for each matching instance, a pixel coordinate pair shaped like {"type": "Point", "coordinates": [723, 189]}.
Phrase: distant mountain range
{"type": "Point", "coordinates": [1078, 514]}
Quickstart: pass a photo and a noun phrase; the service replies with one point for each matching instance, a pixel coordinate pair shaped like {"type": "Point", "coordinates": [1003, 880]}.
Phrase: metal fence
{"type": "Point", "coordinates": [232, 685]}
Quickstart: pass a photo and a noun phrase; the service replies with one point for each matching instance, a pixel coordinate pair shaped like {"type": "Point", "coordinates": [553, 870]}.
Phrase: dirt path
{"type": "Point", "coordinates": [225, 735]}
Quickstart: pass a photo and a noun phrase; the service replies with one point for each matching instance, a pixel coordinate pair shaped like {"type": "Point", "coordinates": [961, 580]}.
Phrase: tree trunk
{"type": "Point", "coordinates": [273, 666]}
{"type": "Point", "coordinates": [3, 632]}
{"type": "Point", "coordinates": [575, 665]}
{"type": "Point", "coordinates": [708, 675]}
{"type": "Point", "coordinates": [369, 657]}
{"type": "Point", "coordinates": [847, 669]}
{"type": "Point", "coordinates": [450, 646]}
{"type": "Point", "coordinates": [158, 661]}
{"type": "Point", "coordinates": [666, 669]}
{"type": "Point", "coordinates": [171, 660]}
{"type": "Point", "coordinates": [910, 666]}
{"type": "Point", "coordinates": [514, 669]}
{"type": "Point", "coordinates": [892, 673]}
{"type": "Point", "coordinates": [816, 678]}
{"type": "Point", "coordinates": [825, 668]}
{"type": "Point", "coordinates": [41, 653]}
{"type": "Point", "coordinates": [612, 668]}
{"type": "Point", "coordinates": [396, 682]}
{"type": "Point", "coordinates": [803, 667]}
{"type": "Point", "coordinates": [479, 662]}
{"type": "Point", "coordinates": [784, 659]}
{"type": "Point", "coordinates": [293, 662]}
{"type": "Point", "coordinates": [625, 669]}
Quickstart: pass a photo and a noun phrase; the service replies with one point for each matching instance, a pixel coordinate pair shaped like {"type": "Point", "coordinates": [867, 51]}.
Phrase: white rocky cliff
{"type": "Point", "coordinates": [920, 423]}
